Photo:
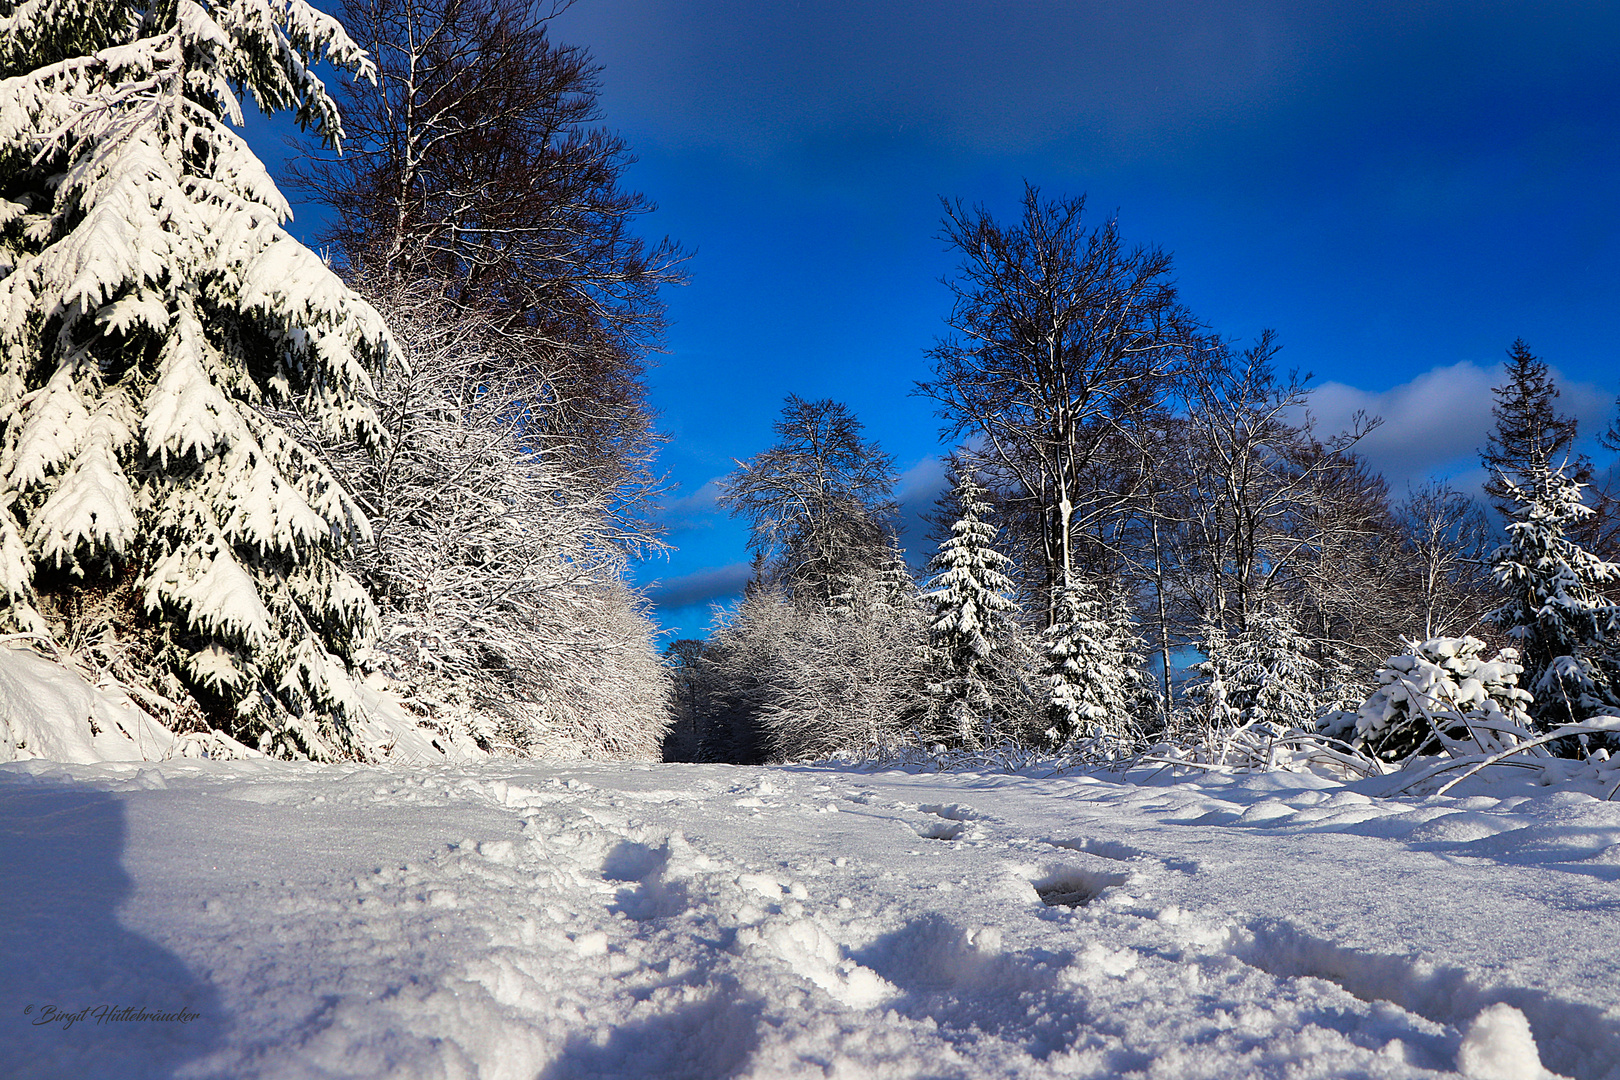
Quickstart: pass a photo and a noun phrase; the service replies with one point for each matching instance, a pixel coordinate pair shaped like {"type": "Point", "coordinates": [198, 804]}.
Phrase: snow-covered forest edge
{"type": "Point", "coordinates": [1194, 750]}
{"type": "Point", "coordinates": [379, 505]}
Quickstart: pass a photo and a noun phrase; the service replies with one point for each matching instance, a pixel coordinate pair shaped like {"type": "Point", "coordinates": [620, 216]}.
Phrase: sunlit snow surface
{"type": "Point", "coordinates": [529, 920]}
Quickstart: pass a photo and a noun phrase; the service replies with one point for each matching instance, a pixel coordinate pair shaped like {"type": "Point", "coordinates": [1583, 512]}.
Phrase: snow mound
{"type": "Point", "coordinates": [49, 711]}
{"type": "Point", "coordinates": [1499, 1046]}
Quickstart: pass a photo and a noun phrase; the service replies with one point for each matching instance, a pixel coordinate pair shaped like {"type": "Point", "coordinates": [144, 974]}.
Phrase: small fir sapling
{"type": "Point", "coordinates": [1087, 684]}
{"type": "Point", "coordinates": [1207, 693]}
{"type": "Point", "coordinates": [1440, 694]}
{"type": "Point", "coordinates": [1262, 674]}
{"type": "Point", "coordinates": [1144, 701]}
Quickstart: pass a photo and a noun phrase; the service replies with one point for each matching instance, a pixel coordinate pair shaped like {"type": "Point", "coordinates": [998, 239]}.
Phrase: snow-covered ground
{"type": "Point", "coordinates": [526, 920]}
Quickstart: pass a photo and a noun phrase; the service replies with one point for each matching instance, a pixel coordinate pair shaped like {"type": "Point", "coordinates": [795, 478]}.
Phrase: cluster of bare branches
{"type": "Point", "coordinates": [481, 205]}
{"type": "Point", "coordinates": [1123, 443]}
{"type": "Point", "coordinates": [476, 161]}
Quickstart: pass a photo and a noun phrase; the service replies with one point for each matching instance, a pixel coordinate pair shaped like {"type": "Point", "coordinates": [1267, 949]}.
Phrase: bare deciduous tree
{"type": "Point", "coordinates": [475, 160]}
{"type": "Point", "coordinates": [1254, 484]}
{"type": "Point", "coordinates": [783, 681]}
{"type": "Point", "coordinates": [1446, 541]}
{"type": "Point", "coordinates": [819, 503]}
{"type": "Point", "coordinates": [1061, 339]}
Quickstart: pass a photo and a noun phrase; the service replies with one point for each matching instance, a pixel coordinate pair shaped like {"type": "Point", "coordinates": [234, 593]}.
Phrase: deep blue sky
{"type": "Point", "coordinates": [1399, 189]}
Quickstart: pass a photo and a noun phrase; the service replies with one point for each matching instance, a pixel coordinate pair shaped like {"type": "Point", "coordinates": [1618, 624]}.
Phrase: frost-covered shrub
{"type": "Point", "coordinates": [789, 681]}
{"type": "Point", "coordinates": [498, 573]}
{"type": "Point", "coordinates": [150, 302]}
{"type": "Point", "coordinates": [1440, 695]}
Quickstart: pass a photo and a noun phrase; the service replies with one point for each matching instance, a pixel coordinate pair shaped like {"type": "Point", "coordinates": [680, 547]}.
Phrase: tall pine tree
{"type": "Point", "coordinates": [149, 303]}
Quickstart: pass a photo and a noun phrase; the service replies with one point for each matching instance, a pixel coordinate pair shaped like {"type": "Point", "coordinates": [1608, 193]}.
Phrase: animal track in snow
{"type": "Point", "coordinates": [967, 984]}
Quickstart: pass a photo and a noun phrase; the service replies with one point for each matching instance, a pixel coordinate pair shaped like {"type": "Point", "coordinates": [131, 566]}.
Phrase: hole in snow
{"type": "Point", "coordinates": [630, 861]}
{"type": "Point", "coordinates": [942, 830]}
{"type": "Point", "coordinates": [1074, 887]}
{"type": "Point", "coordinates": [1065, 894]}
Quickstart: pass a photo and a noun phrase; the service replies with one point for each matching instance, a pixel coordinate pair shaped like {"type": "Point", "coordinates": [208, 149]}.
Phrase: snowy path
{"type": "Point", "coordinates": [703, 921]}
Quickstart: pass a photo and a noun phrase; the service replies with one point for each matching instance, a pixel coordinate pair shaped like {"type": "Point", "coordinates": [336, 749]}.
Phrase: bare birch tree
{"type": "Point", "coordinates": [819, 503]}
{"type": "Point", "coordinates": [1253, 483]}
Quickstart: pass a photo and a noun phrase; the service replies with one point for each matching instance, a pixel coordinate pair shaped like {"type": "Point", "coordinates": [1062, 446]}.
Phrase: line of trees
{"type": "Point", "coordinates": [250, 483]}
{"type": "Point", "coordinates": [1147, 533]}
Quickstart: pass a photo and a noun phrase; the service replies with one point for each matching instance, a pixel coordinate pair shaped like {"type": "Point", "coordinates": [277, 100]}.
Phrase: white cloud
{"type": "Point", "coordinates": [1436, 424]}
{"type": "Point", "coordinates": [919, 486]}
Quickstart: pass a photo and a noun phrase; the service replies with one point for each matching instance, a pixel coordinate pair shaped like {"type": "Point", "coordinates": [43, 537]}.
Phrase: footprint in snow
{"type": "Point", "coordinates": [1074, 886]}
{"type": "Point", "coordinates": [1118, 852]}
{"type": "Point", "coordinates": [943, 830]}
{"type": "Point", "coordinates": [1505, 1031]}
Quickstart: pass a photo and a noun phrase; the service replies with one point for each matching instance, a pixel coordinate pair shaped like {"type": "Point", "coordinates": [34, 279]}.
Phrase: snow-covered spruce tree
{"type": "Point", "coordinates": [1208, 691]}
{"type": "Point", "coordinates": [1262, 674]}
{"type": "Point", "coordinates": [1439, 694]}
{"type": "Point", "coordinates": [503, 612]}
{"type": "Point", "coordinates": [1530, 437]}
{"type": "Point", "coordinates": [1341, 685]}
{"type": "Point", "coordinates": [1559, 609]}
{"type": "Point", "coordinates": [970, 623]}
{"type": "Point", "coordinates": [1284, 675]}
{"type": "Point", "coordinates": [149, 302]}
{"type": "Point", "coordinates": [1143, 701]}
{"type": "Point", "coordinates": [1086, 696]}
{"type": "Point", "coordinates": [892, 583]}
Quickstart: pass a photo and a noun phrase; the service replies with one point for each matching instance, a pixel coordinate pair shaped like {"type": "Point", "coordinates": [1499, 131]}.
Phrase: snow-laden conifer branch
{"type": "Point", "coordinates": [150, 304]}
